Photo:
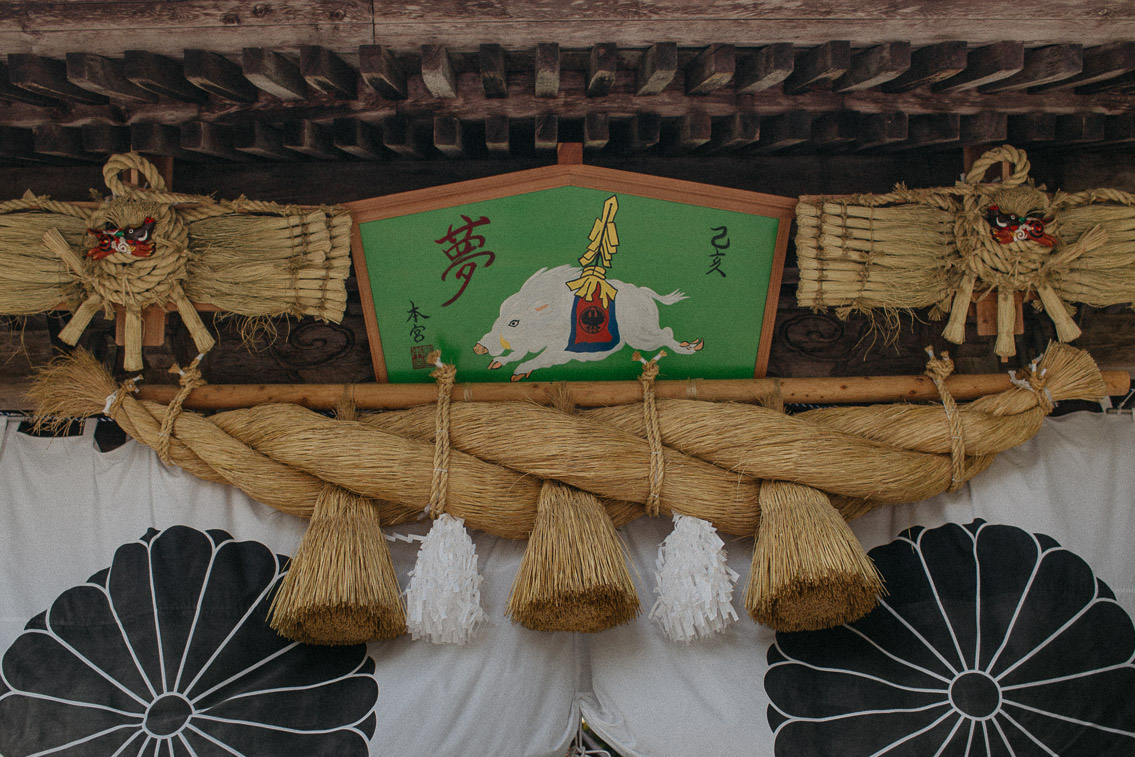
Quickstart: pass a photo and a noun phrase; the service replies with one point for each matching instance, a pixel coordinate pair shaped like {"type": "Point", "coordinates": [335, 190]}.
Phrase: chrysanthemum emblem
{"type": "Point", "coordinates": [991, 641]}
{"type": "Point", "coordinates": [168, 652]}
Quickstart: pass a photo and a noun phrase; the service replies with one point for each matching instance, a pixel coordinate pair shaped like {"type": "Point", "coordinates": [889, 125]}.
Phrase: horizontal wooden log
{"type": "Point", "coordinates": [358, 138]}
{"type": "Point", "coordinates": [218, 76]}
{"type": "Point", "coordinates": [932, 130]}
{"type": "Point", "coordinates": [785, 130]}
{"type": "Point", "coordinates": [712, 69]}
{"type": "Point", "coordinates": [984, 128]}
{"type": "Point", "coordinates": [272, 72]}
{"type": "Point", "coordinates": [1119, 130]}
{"type": "Point", "coordinates": [16, 143]}
{"type": "Point", "coordinates": [1080, 127]}
{"type": "Point", "coordinates": [11, 93]}
{"type": "Point", "coordinates": [1032, 127]}
{"type": "Point", "coordinates": [261, 140]}
{"type": "Point", "coordinates": [1100, 64]}
{"type": "Point", "coordinates": [738, 130]}
{"type": "Point", "coordinates": [604, 393]}
{"type": "Point", "coordinates": [311, 139]}
{"type": "Point", "coordinates": [883, 130]}
{"type": "Point", "coordinates": [105, 139]}
{"type": "Point", "coordinates": [213, 140]}
{"type": "Point", "coordinates": [835, 130]}
{"type": "Point", "coordinates": [402, 137]}
{"type": "Point", "coordinates": [695, 129]}
{"type": "Point", "coordinates": [157, 139]}
{"type": "Point", "coordinates": [61, 142]}
{"type": "Point", "coordinates": [48, 77]}
{"type": "Point", "coordinates": [106, 76]}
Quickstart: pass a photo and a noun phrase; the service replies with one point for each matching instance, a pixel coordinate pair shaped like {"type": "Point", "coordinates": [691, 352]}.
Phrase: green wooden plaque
{"type": "Point", "coordinates": [566, 282]}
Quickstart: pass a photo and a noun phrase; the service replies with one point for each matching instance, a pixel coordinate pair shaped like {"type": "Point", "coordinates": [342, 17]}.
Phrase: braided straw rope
{"type": "Point", "coordinates": [445, 374]}
{"type": "Point", "coordinates": [939, 369]}
{"type": "Point", "coordinates": [653, 436]}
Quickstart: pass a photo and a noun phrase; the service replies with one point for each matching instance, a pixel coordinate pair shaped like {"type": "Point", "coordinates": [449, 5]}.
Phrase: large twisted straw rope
{"type": "Point", "coordinates": [715, 453]}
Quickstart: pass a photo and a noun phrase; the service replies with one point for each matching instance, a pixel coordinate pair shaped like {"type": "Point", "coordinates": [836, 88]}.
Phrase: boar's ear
{"type": "Point", "coordinates": [542, 307]}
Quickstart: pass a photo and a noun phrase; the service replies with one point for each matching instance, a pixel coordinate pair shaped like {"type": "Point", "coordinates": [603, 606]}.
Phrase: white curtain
{"type": "Point", "coordinates": [121, 640]}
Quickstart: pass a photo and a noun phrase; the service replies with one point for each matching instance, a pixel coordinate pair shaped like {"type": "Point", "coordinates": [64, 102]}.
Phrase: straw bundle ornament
{"type": "Point", "coordinates": [444, 595]}
{"type": "Point", "coordinates": [718, 456]}
{"type": "Point", "coordinates": [147, 247]}
{"type": "Point", "coordinates": [573, 576]}
{"type": "Point", "coordinates": [939, 248]}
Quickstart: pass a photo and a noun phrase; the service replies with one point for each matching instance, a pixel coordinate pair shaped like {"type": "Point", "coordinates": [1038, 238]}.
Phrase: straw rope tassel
{"type": "Point", "coordinates": [443, 598]}
{"type": "Point", "coordinates": [573, 576]}
{"type": "Point", "coordinates": [340, 587]}
{"type": "Point", "coordinates": [693, 582]}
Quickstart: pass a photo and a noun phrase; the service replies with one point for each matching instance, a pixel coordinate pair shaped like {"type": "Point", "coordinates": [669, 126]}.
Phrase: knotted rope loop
{"type": "Point", "coordinates": [653, 434]}
{"type": "Point", "coordinates": [1003, 154]}
{"type": "Point", "coordinates": [1035, 381]}
{"type": "Point", "coordinates": [938, 369]}
{"type": "Point", "coordinates": [130, 161]}
{"type": "Point", "coordinates": [190, 379]}
{"type": "Point", "coordinates": [115, 399]}
{"type": "Point", "coordinates": [445, 374]}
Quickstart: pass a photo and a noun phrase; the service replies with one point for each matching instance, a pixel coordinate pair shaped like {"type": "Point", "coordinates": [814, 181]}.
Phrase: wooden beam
{"type": "Point", "coordinates": [982, 128]}
{"type": "Point", "coordinates": [835, 130]}
{"type": "Point", "coordinates": [785, 130]}
{"type": "Point", "coordinates": [930, 65]}
{"type": "Point", "coordinates": [1080, 127]}
{"type": "Point", "coordinates": [931, 130]}
{"type": "Point", "coordinates": [547, 70]}
{"type": "Point", "coordinates": [61, 142]}
{"type": "Point", "coordinates": [218, 76]}
{"type": "Point", "coordinates": [818, 66]}
{"type": "Point", "coordinates": [547, 132]}
{"type": "Point", "coordinates": [157, 139]}
{"type": "Point", "coordinates": [1030, 128]}
{"type": "Point", "coordinates": [106, 76]}
{"type": "Point", "coordinates": [262, 140]}
{"type": "Point", "coordinates": [494, 72]}
{"type": "Point", "coordinates": [449, 137]}
{"type": "Point", "coordinates": [985, 65]}
{"type": "Point", "coordinates": [328, 73]}
{"type": "Point", "coordinates": [765, 68]}
{"type": "Point", "coordinates": [273, 73]}
{"type": "Point", "coordinates": [656, 68]}
{"type": "Point", "coordinates": [357, 138]}
{"type": "Point", "coordinates": [311, 139]}
{"type": "Point", "coordinates": [874, 66]}
{"type": "Point", "coordinates": [695, 129]}
{"type": "Point", "coordinates": [400, 136]}
{"type": "Point", "coordinates": [381, 71]}
{"type": "Point", "coordinates": [646, 130]}
{"type": "Point", "coordinates": [596, 131]}
{"type": "Point", "coordinates": [712, 69]}
{"type": "Point", "coordinates": [48, 77]}
{"type": "Point", "coordinates": [735, 131]}
{"type": "Point", "coordinates": [16, 143]}
{"type": "Point", "coordinates": [105, 139]}
{"type": "Point", "coordinates": [1101, 63]}
{"type": "Point", "coordinates": [213, 140]}
{"type": "Point", "coordinates": [1042, 65]}
{"type": "Point", "coordinates": [883, 129]}
{"type": "Point", "coordinates": [1119, 130]}
{"type": "Point", "coordinates": [497, 134]}
{"type": "Point", "coordinates": [160, 75]}
{"type": "Point", "coordinates": [12, 93]}
{"type": "Point", "coordinates": [437, 72]}
{"type": "Point", "coordinates": [601, 66]}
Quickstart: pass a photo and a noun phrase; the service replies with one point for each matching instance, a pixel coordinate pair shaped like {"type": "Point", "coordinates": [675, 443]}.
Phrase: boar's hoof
{"type": "Point", "coordinates": [495, 364]}
{"type": "Point", "coordinates": [521, 376]}
{"type": "Point", "coordinates": [480, 350]}
{"type": "Point", "coordinates": [696, 345]}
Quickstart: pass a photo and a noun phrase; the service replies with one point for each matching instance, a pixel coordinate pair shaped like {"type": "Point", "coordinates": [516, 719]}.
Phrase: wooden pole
{"type": "Point", "coordinates": [599, 393]}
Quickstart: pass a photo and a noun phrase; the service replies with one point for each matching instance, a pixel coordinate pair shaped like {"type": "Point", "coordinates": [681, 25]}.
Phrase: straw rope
{"type": "Point", "coordinates": [716, 454]}
{"type": "Point", "coordinates": [190, 379]}
{"type": "Point", "coordinates": [445, 374]}
{"type": "Point", "coordinates": [939, 369]}
{"type": "Point", "coordinates": [653, 436]}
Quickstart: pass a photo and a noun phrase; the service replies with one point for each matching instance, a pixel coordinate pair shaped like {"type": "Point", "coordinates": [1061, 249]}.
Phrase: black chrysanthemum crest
{"type": "Point", "coordinates": [992, 640]}
{"type": "Point", "coordinates": [168, 651]}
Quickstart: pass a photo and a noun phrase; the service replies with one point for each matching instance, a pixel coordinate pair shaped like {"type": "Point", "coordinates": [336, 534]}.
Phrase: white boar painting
{"type": "Point", "coordinates": [567, 282]}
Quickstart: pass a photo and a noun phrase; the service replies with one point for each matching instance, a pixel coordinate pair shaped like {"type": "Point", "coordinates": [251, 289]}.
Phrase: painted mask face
{"type": "Point", "coordinates": [133, 240]}
{"type": "Point", "coordinates": [1008, 227]}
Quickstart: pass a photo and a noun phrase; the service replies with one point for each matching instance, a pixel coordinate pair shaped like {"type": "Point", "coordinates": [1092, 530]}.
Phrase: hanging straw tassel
{"type": "Point", "coordinates": [809, 570]}
{"type": "Point", "coordinates": [693, 583]}
{"type": "Point", "coordinates": [573, 576]}
{"type": "Point", "coordinates": [341, 587]}
{"type": "Point", "coordinates": [443, 598]}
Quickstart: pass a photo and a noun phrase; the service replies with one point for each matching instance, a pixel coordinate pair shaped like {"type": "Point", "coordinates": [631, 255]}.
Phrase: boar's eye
{"type": "Point", "coordinates": [514, 323]}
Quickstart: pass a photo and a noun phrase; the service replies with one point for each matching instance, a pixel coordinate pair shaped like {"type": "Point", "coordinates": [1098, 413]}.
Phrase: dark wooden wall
{"type": "Point", "coordinates": [337, 100]}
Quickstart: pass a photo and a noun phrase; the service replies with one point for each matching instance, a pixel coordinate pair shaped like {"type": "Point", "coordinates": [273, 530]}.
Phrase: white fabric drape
{"type": "Point", "coordinates": [65, 509]}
